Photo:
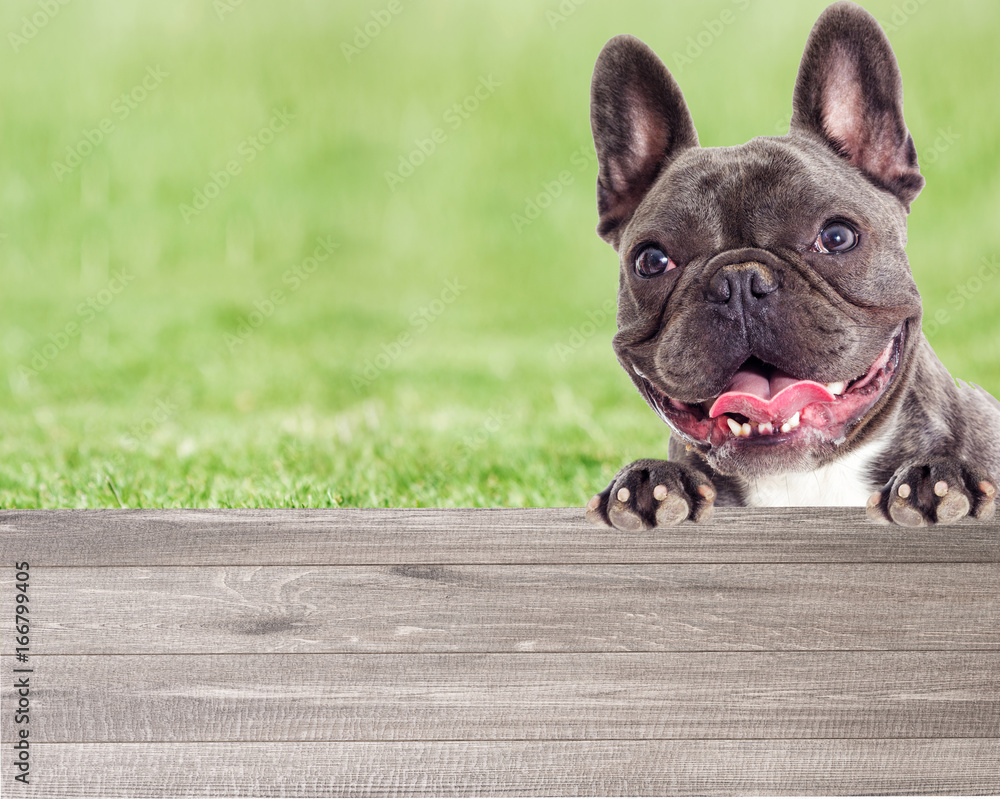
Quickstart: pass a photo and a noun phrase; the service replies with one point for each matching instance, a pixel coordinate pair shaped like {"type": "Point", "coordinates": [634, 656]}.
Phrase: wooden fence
{"type": "Point", "coordinates": [491, 652]}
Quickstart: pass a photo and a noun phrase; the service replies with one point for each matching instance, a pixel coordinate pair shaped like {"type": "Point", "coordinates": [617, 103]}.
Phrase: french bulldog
{"type": "Point", "coordinates": [766, 308]}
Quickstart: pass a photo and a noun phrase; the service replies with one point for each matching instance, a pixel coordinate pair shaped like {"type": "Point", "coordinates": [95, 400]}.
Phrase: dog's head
{"type": "Point", "coordinates": [766, 308]}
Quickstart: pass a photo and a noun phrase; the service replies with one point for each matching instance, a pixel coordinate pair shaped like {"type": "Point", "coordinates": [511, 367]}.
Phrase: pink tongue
{"type": "Point", "coordinates": [774, 397]}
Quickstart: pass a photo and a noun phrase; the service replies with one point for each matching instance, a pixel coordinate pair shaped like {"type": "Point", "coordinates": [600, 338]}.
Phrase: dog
{"type": "Point", "coordinates": [766, 308]}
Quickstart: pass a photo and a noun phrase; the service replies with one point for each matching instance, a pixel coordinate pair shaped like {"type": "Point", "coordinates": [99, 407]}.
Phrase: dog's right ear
{"type": "Point", "coordinates": [640, 122]}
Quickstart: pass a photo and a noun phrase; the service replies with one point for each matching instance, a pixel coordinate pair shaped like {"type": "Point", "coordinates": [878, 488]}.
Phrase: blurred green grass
{"type": "Point", "coordinates": [507, 394]}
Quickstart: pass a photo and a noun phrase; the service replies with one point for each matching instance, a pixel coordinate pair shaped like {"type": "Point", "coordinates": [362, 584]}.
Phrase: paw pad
{"type": "Point", "coordinates": [649, 493]}
{"type": "Point", "coordinates": [941, 492]}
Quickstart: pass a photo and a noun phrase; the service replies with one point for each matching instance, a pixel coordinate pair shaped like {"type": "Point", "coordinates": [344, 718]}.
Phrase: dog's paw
{"type": "Point", "coordinates": [942, 492]}
{"type": "Point", "coordinates": [650, 493]}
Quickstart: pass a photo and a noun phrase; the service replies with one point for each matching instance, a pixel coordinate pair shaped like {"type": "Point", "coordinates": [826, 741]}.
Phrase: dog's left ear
{"type": "Point", "coordinates": [849, 92]}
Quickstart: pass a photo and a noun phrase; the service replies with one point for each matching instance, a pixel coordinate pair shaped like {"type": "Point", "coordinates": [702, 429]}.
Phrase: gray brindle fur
{"type": "Point", "coordinates": [752, 290]}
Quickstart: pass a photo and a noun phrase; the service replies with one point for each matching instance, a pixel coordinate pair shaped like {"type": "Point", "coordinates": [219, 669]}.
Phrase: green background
{"type": "Point", "coordinates": [503, 393]}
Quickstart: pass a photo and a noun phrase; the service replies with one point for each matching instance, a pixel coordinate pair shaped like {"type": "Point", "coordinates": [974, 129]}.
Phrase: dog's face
{"type": "Point", "coordinates": [765, 303]}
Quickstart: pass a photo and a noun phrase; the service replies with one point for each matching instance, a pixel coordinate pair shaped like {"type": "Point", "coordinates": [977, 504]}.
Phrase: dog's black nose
{"type": "Point", "coordinates": [739, 287]}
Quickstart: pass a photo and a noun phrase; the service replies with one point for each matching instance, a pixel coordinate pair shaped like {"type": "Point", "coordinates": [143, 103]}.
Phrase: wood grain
{"type": "Point", "coordinates": [481, 536]}
{"type": "Point", "coordinates": [288, 697]}
{"type": "Point", "coordinates": [669, 607]}
{"type": "Point", "coordinates": [520, 768]}
{"type": "Point", "coordinates": [502, 652]}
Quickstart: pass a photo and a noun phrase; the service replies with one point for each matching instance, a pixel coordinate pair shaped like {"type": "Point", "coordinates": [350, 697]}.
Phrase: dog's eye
{"type": "Point", "coordinates": [652, 261]}
{"type": "Point", "coordinates": [836, 237]}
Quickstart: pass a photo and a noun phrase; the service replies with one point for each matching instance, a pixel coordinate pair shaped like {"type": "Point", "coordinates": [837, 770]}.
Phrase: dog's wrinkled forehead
{"type": "Point", "coordinates": [769, 192]}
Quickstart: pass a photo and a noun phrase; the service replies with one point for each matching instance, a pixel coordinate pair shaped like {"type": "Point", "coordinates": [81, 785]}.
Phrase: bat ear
{"type": "Point", "coordinates": [849, 93]}
{"type": "Point", "coordinates": [640, 122]}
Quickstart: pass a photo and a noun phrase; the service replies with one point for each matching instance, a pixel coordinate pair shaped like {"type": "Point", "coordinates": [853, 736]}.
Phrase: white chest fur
{"type": "Point", "coordinates": [845, 482]}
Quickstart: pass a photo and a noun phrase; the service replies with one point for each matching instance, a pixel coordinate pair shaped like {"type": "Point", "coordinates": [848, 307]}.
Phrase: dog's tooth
{"type": "Point", "coordinates": [794, 421]}
{"type": "Point", "coordinates": [747, 429]}
{"type": "Point", "coordinates": [765, 428]}
{"type": "Point", "coordinates": [786, 427]}
{"type": "Point", "coordinates": [734, 426]}
{"type": "Point", "coordinates": [836, 388]}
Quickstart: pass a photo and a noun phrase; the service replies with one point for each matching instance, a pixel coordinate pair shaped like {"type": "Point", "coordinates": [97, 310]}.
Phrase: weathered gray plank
{"type": "Point", "coordinates": [517, 768]}
{"type": "Point", "coordinates": [514, 608]}
{"type": "Point", "coordinates": [428, 620]}
{"type": "Point", "coordinates": [286, 697]}
{"type": "Point", "coordinates": [540, 535]}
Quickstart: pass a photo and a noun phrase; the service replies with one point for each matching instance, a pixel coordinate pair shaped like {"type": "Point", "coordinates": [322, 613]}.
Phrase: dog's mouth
{"type": "Point", "coordinates": [763, 405]}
